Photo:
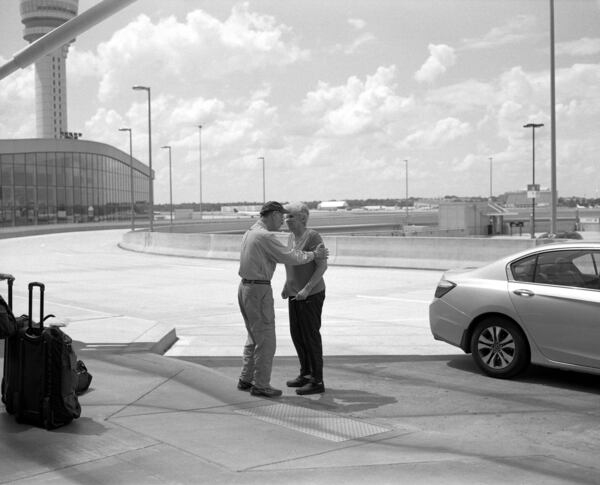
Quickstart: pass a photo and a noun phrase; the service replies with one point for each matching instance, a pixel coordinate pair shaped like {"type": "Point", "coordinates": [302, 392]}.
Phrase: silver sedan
{"type": "Point", "coordinates": [541, 306]}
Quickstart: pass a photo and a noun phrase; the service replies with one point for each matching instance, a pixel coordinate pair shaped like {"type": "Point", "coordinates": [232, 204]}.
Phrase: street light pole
{"type": "Point", "coordinates": [554, 202]}
{"type": "Point", "coordinates": [491, 179]}
{"type": "Point", "coordinates": [200, 159]}
{"type": "Point", "coordinates": [263, 174]}
{"type": "Point", "coordinates": [170, 185]}
{"type": "Point", "coordinates": [406, 170]}
{"type": "Point", "coordinates": [533, 126]}
{"type": "Point", "coordinates": [150, 176]}
{"type": "Point", "coordinates": [131, 178]}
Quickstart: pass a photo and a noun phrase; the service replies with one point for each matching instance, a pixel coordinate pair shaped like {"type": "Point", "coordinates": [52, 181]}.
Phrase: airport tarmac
{"type": "Point", "coordinates": [399, 406]}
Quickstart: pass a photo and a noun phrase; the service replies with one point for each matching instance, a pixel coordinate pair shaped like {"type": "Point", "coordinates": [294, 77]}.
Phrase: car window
{"type": "Point", "coordinates": [588, 265]}
{"type": "Point", "coordinates": [566, 268]}
{"type": "Point", "coordinates": [524, 269]}
{"type": "Point", "coordinates": [577, 268]}
{"type": "Point", "coordinates": [585, 264]}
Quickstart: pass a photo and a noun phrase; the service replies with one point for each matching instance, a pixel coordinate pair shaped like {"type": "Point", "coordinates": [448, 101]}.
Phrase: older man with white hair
{"type": "Point", "coordinates": [305, 290]}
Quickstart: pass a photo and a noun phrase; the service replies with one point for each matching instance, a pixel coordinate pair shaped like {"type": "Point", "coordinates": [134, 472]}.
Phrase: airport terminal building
{"type": "Point", "coordinates": [56, 177]}
{"type": "Point", "coordinates": [55, 181]}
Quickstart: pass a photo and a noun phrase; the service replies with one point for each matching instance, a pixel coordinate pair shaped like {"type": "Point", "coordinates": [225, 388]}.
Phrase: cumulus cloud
{"type": "Point", "coordinates": [441, 57]}
{"type": "Point", "coordinates": [581, 47]}
{"type": "Point", "coordinates": [234, 133]}
{"type": "Point", "coordinates": [358, 42]}
{"type": "Point", "coordinates": [358, 106]}
{"type": "Point", "coordinates": [466, 164]}
{"type": "Point", "coordinates": [251, 122]}
{"type": "Point", "coordinates": [16, 93]}
{"type": "Point", "coordinates": [517, 84]}
{"type": "Point", "coordinates": [82, 64]}
{"type": "Point", "coordinates": [519, 96]}
{"type": "Point", "coordinates": [162, 50]}
{"type": "Point", "coordinates": [358, 24]}
{"type": "Point", "coordinates": [467, 95]}
{"type": "Point", "coordinates": [443, 131]}
{"type": "Point", "coordinates": [311, 153]}
{"type": "Point", "coordinates": [96, 125]}
{"type": "Point", "coordinates": [354, 45]}
{"type": "Point", "coordinates": [580, 84]}
{"type": "Point", "coordinates": [515, 30]}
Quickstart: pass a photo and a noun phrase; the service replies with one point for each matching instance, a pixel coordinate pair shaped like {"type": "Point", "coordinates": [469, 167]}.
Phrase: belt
{"type": "Point", "coordinates": [255, 282]}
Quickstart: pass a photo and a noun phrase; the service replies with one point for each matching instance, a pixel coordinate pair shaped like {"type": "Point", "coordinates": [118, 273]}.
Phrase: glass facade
{"type": "Point", "coordinates": [68, 187]}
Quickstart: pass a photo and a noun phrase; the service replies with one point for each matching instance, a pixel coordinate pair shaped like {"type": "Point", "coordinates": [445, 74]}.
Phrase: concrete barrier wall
{"type": "Point", "coordinates": [393, 252]}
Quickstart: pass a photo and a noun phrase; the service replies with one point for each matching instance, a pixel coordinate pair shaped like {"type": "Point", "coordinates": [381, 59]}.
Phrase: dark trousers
{"type": "Point", "coordinates": [305, 326]}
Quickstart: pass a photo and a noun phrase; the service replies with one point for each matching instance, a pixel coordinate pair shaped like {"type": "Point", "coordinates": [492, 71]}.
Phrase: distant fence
{"type": "Point", "coordinates": [438, 253]}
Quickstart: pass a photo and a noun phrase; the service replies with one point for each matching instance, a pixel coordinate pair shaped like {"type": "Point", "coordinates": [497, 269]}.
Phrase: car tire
{"type": "Point", "coordinates": [499, 348]}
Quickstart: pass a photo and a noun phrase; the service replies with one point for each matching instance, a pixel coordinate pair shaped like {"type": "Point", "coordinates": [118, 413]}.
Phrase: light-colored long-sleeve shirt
{"type": "Point", "coordinates": [262, 250]}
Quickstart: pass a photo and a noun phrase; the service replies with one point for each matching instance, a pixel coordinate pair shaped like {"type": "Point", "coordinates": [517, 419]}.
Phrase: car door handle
{"type": "Point", "coordinates": [527, 293]}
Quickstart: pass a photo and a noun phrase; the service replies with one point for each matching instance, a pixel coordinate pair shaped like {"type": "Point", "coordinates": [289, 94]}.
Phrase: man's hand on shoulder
{"type": "Point", "coordinates": [321, 252]}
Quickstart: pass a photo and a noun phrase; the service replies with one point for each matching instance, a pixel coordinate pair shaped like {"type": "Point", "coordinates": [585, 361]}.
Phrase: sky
{"type": "Point", "coordinates": [340, 97]}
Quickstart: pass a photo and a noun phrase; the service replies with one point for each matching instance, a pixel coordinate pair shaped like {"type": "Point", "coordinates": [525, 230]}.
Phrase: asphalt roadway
{"type": "Point", "coordinates": [399, 407]}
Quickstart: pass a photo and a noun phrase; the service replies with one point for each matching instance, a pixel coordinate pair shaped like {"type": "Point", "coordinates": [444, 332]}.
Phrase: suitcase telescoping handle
{"type": "Point", "coordinates": [10, 282]}
{"type": "Point", "coordinates": [42, 288]}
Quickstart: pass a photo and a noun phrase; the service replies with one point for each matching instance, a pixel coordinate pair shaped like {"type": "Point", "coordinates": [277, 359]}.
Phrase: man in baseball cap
{"type": "Point", "coordinates": [272, 206]}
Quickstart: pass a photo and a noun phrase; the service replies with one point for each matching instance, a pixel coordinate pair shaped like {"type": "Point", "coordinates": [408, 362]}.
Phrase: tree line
{"type": "Point", "coordinates": [357, 203]}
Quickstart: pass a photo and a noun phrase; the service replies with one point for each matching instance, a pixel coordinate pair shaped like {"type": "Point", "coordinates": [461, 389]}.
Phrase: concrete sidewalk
{"type": "Point", "coordinates": [153, 419]}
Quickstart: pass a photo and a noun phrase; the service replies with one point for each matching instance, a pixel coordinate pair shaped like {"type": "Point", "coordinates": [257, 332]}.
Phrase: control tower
{"type": "Point", "coordinates": [39, 18]}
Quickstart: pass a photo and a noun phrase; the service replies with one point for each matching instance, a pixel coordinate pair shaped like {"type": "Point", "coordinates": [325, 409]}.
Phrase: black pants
{"type": "Point", "coordinates": [305, 326]}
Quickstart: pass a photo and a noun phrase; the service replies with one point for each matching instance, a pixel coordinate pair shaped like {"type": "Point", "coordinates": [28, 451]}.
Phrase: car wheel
{"type": "Point", "coordinates": [499, 347]}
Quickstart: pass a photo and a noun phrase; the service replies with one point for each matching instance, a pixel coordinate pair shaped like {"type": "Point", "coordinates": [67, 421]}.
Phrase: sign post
{"type": "Point", "coordinates": [532, 192]}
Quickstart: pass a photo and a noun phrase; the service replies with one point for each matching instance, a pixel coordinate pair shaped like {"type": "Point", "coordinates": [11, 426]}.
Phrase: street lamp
{"type": "Point", "coordinates": [533, 126]}
{"type": "Point", "coordinates": [200, 158]}
{"type": "Point", "coordinates": [406, 170]}
{"type": "Point", "coordinates": [170, 184]}
{"type": "Point", "coordinates": [131, 178]}
{"type": "Point", "coordinates": [263, 171]}
{"type": "Point", "coordinates": [150, 178]}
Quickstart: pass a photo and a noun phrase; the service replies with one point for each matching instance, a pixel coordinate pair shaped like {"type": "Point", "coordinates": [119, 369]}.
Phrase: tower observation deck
{"type": "Point", "coordinates": [40, 17]}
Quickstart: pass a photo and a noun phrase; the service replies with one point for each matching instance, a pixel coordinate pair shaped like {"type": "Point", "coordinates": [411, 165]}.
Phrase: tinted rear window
{"type": "Point", "coordinates": [524, 269]}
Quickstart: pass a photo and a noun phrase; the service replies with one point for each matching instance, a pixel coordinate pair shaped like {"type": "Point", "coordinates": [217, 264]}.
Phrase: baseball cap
{"type": "Point", "coordinates": [273, 206]}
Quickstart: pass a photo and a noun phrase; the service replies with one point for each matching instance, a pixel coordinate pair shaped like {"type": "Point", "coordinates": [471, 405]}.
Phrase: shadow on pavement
{"type": "Point", "coordinates": [83, 426]}
{"type": "Point", "coordinates": [536, 374]}
{"type": "Point", "coordinates": [341, 400]}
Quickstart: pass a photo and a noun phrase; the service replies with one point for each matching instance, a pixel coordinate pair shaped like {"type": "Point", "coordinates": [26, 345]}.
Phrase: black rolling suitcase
{"type": "Point", "coordinates": [40, 372]}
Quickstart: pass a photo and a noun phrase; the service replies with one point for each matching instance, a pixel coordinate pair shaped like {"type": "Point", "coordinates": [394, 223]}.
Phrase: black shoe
{"type": "Point", "coordinates": [298, 382]}
{"type": "Point", "coordinates": [311, 388]}
{"type": "Point", "coordinates": [244, 386]}
{"type": "Point", "coordinates": [265, 391]}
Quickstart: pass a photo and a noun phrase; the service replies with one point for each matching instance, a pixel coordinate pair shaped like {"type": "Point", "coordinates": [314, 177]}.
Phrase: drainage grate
{"type": "Point", "coordinates": [317, 423]}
